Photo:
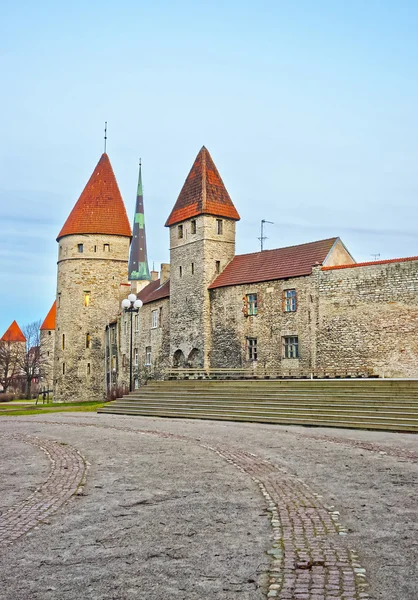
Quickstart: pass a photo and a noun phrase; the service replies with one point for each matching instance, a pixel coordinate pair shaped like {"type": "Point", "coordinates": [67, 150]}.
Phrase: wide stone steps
{"type": "Point", "coordinates": [385, 404]}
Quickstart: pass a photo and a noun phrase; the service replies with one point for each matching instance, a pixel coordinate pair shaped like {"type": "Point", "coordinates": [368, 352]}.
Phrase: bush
{"type": "Point", "coordinates": [7, 397]}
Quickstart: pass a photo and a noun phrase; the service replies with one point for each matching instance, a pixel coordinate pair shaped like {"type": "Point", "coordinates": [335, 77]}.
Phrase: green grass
{"type": "Point", "coordinates": [31, 409]}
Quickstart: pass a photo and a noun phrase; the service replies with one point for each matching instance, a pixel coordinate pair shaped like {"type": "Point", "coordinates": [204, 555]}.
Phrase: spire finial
{"type": "Point", "coordinates": [140, 162]}
{"type": "Point", "coordinates": [105, 136]}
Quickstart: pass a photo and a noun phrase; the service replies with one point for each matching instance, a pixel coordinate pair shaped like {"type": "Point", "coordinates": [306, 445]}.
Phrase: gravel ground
{"type": "Point", "coordinates": [165, 518]}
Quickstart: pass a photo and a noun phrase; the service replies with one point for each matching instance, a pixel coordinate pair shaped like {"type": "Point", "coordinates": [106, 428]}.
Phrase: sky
{"type": "Point", "coordinates": [309, 110]}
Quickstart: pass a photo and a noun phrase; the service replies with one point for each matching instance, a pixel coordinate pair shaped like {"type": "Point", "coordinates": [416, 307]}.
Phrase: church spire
{"type": "Point", "coordinates": [138, 260]}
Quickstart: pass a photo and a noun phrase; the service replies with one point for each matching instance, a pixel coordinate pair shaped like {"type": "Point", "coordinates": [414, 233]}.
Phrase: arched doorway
{"type": "Point", "coordinates": [178, 359]}
{"type": "Point", "coordinates": [193, 359]}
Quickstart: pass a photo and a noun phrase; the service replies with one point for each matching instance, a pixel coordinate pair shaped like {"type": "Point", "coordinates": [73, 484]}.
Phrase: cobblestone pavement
{"type": "Point", "coordinates": [65, 477]}
{"type": "Point", "coordinates": [310, 558]}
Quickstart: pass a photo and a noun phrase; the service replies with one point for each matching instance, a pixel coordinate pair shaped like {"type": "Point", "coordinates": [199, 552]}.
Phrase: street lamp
{"type": "Point", "coordinates": [131, 305]}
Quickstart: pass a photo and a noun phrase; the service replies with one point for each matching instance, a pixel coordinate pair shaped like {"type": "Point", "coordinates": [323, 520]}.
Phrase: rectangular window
{"type": "Point", "coordinates": [160, 317]}
{"type": "Point", "coordinates": [88, 340]}
{"type": "Point", "coordinates": [123, 360]}
{"type": "Point", "coordinates": [290, 347]}
{"type": "Point", "coordinates": [218, 266]}
{"type": "Point", "coordinates": [251, 304]}
{"type": "Point", "coordinates": [113, 335]}
{"type": "Point", "coordinates": [289, 300]}
{"type": "Point", "coordinates": [95, 248]}
{"type": "Point", "coordinates": [192, 268]}
{"type": "Point", "coordinates": [180, 231]}
{"type": "Point", "coordinates": [193, 226]}
{"type": "Point", "coordinates": [181, 271]}
{"type": "Point", "coordinates": [59, 300]}
{"type": "Point", "coordinates": [80, 247]}
{"type": "Point", "coordinates": [148, 356]}
{"type": "Point", "coordinates": [219, 226]}
{"type": "Point", "coordinates": [63, 341]}
{"type": "Point", "coordinates": [88, 369]}
{"type": "Point", "coordinates": [252, 348]}
{"type": "Point", "coordinates": [136, 357]}
{"type": "Point", "coordinates": [114, 362]}
{"type": "Point", "coordinates": [136, 322]}
{"type": "Point", "coordinates": [106, 247]}
{"type": "Point", "coordinates": [63, 368]}
{"type": "Point", "coordinates": [154, 319]}
{"type": "Point", "coordinates": [136, 383]}
{"type": "Point", "coordinates": [86, 298]}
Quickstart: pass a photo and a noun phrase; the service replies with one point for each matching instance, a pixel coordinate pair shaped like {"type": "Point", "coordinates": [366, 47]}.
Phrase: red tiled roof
{"type": "Point", "coordinates": [50, 319]}
{"type": "Point", "coordinates": [282, 263]}
{"type": "Point", "coordinates": [100, 208]}
{"type": "Point", "coordinates": [155, 291]}
{"type": "Point", "coordinates": [13, 334]}
{"type": "Point", "coordinates": [371, 263]}
{"type": "Point", "coordinates": [203, 192]}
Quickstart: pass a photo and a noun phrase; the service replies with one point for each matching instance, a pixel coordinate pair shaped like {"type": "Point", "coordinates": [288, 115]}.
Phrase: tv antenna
{"type": "Point", "coordinates": [262, 236]}
{"type": "Point", "coordinates": [375, 256]}
{"type": "Point", "coordinates": [105, 136]}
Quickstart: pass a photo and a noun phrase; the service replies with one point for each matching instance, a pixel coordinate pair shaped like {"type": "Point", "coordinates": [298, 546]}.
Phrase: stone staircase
{"type": "Point", "coordinates": [385, 404]}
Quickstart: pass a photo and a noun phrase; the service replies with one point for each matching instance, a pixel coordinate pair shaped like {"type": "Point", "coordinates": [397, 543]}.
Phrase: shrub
{"type": "Point", "coordinates": [7, 397]}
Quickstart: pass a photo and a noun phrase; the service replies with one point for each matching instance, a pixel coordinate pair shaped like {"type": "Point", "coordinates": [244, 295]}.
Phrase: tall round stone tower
{"type": "Point", "coordinates": [92, 264]}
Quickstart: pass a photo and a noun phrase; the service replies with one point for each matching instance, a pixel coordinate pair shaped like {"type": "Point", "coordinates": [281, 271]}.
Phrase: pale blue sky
{"type": "Point", "coordinates": [309, 110]}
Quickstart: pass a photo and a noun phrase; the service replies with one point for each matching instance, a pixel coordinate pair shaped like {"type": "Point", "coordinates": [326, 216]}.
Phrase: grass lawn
{"type": "Point", "coordinates": [15, 409]}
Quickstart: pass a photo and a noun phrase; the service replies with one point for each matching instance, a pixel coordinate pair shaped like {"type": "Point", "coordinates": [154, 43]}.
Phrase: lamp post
{"type": "Point", "coordinates": [131, 305]}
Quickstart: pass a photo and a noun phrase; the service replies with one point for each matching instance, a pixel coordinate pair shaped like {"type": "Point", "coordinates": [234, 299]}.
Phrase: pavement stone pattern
{"type": "Point", "coordinates": [64, 480]}
{"type": "Point", "coordinates": [308, 561]}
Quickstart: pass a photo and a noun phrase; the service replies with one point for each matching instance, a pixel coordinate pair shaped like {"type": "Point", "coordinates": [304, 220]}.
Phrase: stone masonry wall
{"type": "Point", "coordinates": [47, 340]}
{"type": "Point", "coordinates": [79, 371]}
{"type": "Point", "coordinates": [189, 301]}
{"type": "Point", "coordinates": [368, 320]}
{"type": "Point", "coordinates": [231, 328]}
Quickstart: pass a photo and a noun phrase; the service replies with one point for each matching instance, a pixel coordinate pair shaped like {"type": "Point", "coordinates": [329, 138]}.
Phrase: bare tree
{"type": "Point", "coordinates": [10, 353]}
{"type": "Point", "coordinates": [31, 359]}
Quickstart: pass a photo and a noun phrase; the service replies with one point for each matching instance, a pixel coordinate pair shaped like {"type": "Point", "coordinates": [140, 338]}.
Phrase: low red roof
{"type": "Point", "coordinates": [13, 334]}
{"type": "Point", "coordinates": [50, 319]}
{"type": "Point", "coordinates": [155, 291]}
{"type": "Point", "coordinates": [282, 263]}
{"type": "Point", "coordinates": [203, 192]}
{"type": "Point", "coordinates": [371, 263]}
{"type": "Point", "coordinates": [100, 208]}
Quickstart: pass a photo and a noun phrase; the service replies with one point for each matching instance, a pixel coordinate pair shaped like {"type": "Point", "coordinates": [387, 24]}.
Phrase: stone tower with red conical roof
{"type": "Point", "coordinates": [92, 265]}
{"type": "Point", "coordinates": [202, 243]}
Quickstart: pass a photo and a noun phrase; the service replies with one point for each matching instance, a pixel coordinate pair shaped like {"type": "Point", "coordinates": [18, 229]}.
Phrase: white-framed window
{"type": "Point", "coordinates": [251, 305]}
{"type": "Point", "coordinates": [136, 383]}
{"type": "Point", "coordinates": [289, 301]}
{"type": "Point", "coordinates": [148, 356]}
{"type": "Point", "coordinates": [136, 319]}
{"type": "Point", "coordinates": [252, 348]}
{"type": "Point", "coordinates": [291, 347]}
{"type": "Point", "coordinates": [219, 226]}
{"type": "Point", "coordinates": [106, 247]}
{"type": "Point", "coordinates": [154, 319]}
{"type": "Point", "coordinates": [136, 357]}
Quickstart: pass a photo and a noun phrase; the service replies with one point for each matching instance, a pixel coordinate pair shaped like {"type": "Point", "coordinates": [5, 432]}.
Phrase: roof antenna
{"type": "Point", "coordinates": [262, 236]}
{"type": "Point", "coordinates": [375, 256]}
{"type": "Point", "coordinates": [105, 136]}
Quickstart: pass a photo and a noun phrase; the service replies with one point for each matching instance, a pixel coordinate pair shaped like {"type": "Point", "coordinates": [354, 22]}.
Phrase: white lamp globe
{"type": "Point", "coordinates": [126, 303]}
{"type": "Point", "coordinates": [138, 303]}
{"type": "Point", "coordinates": [132, 298]}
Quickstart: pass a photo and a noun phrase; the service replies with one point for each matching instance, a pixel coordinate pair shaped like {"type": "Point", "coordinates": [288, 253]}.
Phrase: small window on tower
{"type": "Point", "coordinates": [192, 268]}
{"type": "Point", "coordinates": [106, 247]}
{"type": "Point", "coordinates": [95, 248]}
{"type": "Point", "coordinates": [86, 298]}
{"type": "Point", "coordinates": [80, 247]}
{"type": "Point", "coordinates": [63, 368]}
{"type": "Point", "coordinates": [63, 341]}
{"type": "Point", "coordinates": [218, 266]}
{"type": "Point", "coordinates": [219, 226]}
{"type": "Point", "coordinates": [181, 271]}
{"type": "Point", "coordinates": [193, 226]}
{"type": "Point", "coordinates": [88, 340]}
{"type": "Point", "coordinates": [88, 369]}
{"type": "Point", "coordinates": [59, 300]}
{"type": "Point", "coordinates": [180, 231]}
{"type": "Point", "coordinates": [49, 332]}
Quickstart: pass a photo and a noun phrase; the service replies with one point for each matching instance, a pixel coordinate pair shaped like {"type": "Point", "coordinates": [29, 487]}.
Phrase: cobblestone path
{"type": "Point", "coordinates": [308, 559]}
{"type": "Point", "coordinates": [65, 477]}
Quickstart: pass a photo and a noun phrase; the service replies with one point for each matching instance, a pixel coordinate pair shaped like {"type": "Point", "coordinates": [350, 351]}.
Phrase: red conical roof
{"type": "Point", "coordinates": [100, 208]}
{"type": "Point", "coordinates": [13, 334]}
{"type": "Point", "coordinates": [50, 318]}
{"type": "Point", "coordinates": [203, 192]}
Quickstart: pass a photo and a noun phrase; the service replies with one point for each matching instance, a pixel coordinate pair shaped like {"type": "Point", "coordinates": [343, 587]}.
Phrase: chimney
{"type": "Point", "coordinates": [154, 275]}
{"type": "Point", "coordinates": [165, 272]}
